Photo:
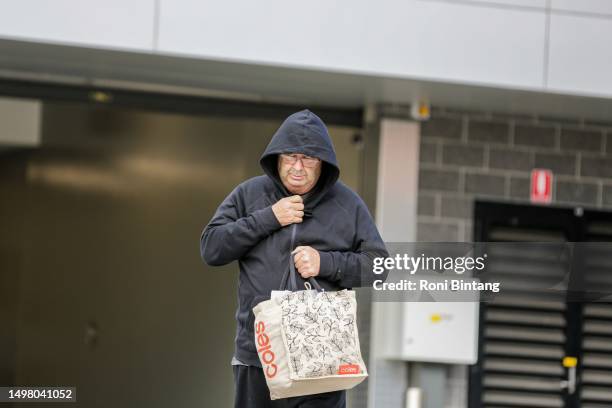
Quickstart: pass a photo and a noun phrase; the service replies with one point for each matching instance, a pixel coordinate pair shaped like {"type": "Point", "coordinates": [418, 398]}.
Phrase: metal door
{"type": "Point", "coordinates": [544, 352]}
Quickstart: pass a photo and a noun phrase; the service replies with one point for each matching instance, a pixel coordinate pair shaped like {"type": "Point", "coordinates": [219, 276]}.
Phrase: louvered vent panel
{"type": "Point", "coordinates": [524, 335]}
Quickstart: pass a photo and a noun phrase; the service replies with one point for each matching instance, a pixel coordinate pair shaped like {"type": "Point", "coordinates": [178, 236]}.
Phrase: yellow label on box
{"type": "Point", "coordinates": [569, 362]}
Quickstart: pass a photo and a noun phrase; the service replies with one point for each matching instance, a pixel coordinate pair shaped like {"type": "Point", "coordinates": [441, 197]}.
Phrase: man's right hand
{"type": "Point", "coordinates": [289, 210]}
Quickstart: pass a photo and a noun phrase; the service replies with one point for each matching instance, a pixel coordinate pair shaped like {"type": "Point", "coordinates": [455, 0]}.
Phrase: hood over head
{"type": "Point", "coordinates": [303, 133]}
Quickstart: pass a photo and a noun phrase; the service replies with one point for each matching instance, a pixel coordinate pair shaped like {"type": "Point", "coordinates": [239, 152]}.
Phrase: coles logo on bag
{"type": "Point", "coordinates": [264, 350]}
{"type": "Point", "coordinates": [348, 369]}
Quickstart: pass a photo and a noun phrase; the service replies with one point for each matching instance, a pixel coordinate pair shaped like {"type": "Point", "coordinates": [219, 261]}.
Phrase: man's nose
{"type": "Point", "coordinates": [298, 164]}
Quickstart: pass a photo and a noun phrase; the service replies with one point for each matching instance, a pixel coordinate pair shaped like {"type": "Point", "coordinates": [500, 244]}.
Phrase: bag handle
{"type": "Point", "coordinates": [291, 274]}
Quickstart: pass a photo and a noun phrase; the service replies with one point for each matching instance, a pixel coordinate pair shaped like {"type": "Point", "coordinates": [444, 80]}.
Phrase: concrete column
{"type": "Point", "coordinates": [396, 215]}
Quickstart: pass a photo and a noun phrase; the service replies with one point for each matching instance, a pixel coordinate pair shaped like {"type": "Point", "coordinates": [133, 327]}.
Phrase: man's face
{"type": "Point", "coordinates": [299, 173]}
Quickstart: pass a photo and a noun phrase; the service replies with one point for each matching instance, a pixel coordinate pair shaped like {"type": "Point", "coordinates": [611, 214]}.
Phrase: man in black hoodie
{"type": "Point", "coordinates": [334, 239]}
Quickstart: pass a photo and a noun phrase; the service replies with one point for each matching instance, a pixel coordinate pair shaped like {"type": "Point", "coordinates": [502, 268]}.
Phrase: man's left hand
{"type": "Point", "coordinates": [307, 261]}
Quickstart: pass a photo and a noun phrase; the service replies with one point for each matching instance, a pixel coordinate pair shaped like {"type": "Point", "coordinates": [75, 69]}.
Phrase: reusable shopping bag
{"type": "Point", "coordinates": [307, 340]}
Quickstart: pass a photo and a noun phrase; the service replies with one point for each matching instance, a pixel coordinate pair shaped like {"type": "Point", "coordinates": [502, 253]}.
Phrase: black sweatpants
{"type": "Point", "coordinates": [251, 391]}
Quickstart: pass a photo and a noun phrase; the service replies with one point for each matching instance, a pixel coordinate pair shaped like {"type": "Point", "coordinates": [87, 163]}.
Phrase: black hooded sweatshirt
{"type": "Point", "coordinates": [336, 223]}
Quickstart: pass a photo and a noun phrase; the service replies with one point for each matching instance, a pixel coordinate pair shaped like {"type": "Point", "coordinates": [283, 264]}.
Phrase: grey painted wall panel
{"type": "Point", "coordinates": [20, 122]}
{"type": "Point", "coordinates": [414, 38]}
{"type": "Point", "coordinates": [603, 7]}
{"type": "Point", "coordinates": [580, 54]}
{"type": "Point", "coordinates": [108, 24]}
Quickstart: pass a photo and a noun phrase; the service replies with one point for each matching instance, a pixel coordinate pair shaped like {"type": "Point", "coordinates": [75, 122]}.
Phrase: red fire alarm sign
{"type": "Point", "coordinates": [541, 186]}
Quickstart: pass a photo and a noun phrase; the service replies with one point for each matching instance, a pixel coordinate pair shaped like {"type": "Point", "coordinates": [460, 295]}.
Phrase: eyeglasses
{"type": "Point", "coordinates": [307, 161]}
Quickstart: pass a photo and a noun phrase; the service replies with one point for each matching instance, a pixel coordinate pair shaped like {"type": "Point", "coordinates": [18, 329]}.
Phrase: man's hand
{"type": "Point", "coordinates": [307, 261]}
{"type": "Point", "coordinates": [289, 210]}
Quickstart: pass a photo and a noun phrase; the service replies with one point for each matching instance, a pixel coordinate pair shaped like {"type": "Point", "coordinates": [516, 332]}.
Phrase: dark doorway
{"type": "Point", "coordinates": [523, 344]}
{"type": "Point", "coordinates": [101, 281]}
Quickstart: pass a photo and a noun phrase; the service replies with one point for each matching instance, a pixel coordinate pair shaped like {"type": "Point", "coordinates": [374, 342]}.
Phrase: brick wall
{"type": "Point", "coordinates": [467, 155]}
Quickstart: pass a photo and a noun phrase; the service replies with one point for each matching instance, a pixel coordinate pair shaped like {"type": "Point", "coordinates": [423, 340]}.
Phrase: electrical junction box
{"type": "Point", "coordinates": [434, 330]}
{"type": "Point", "coordinates": [440, 332]}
